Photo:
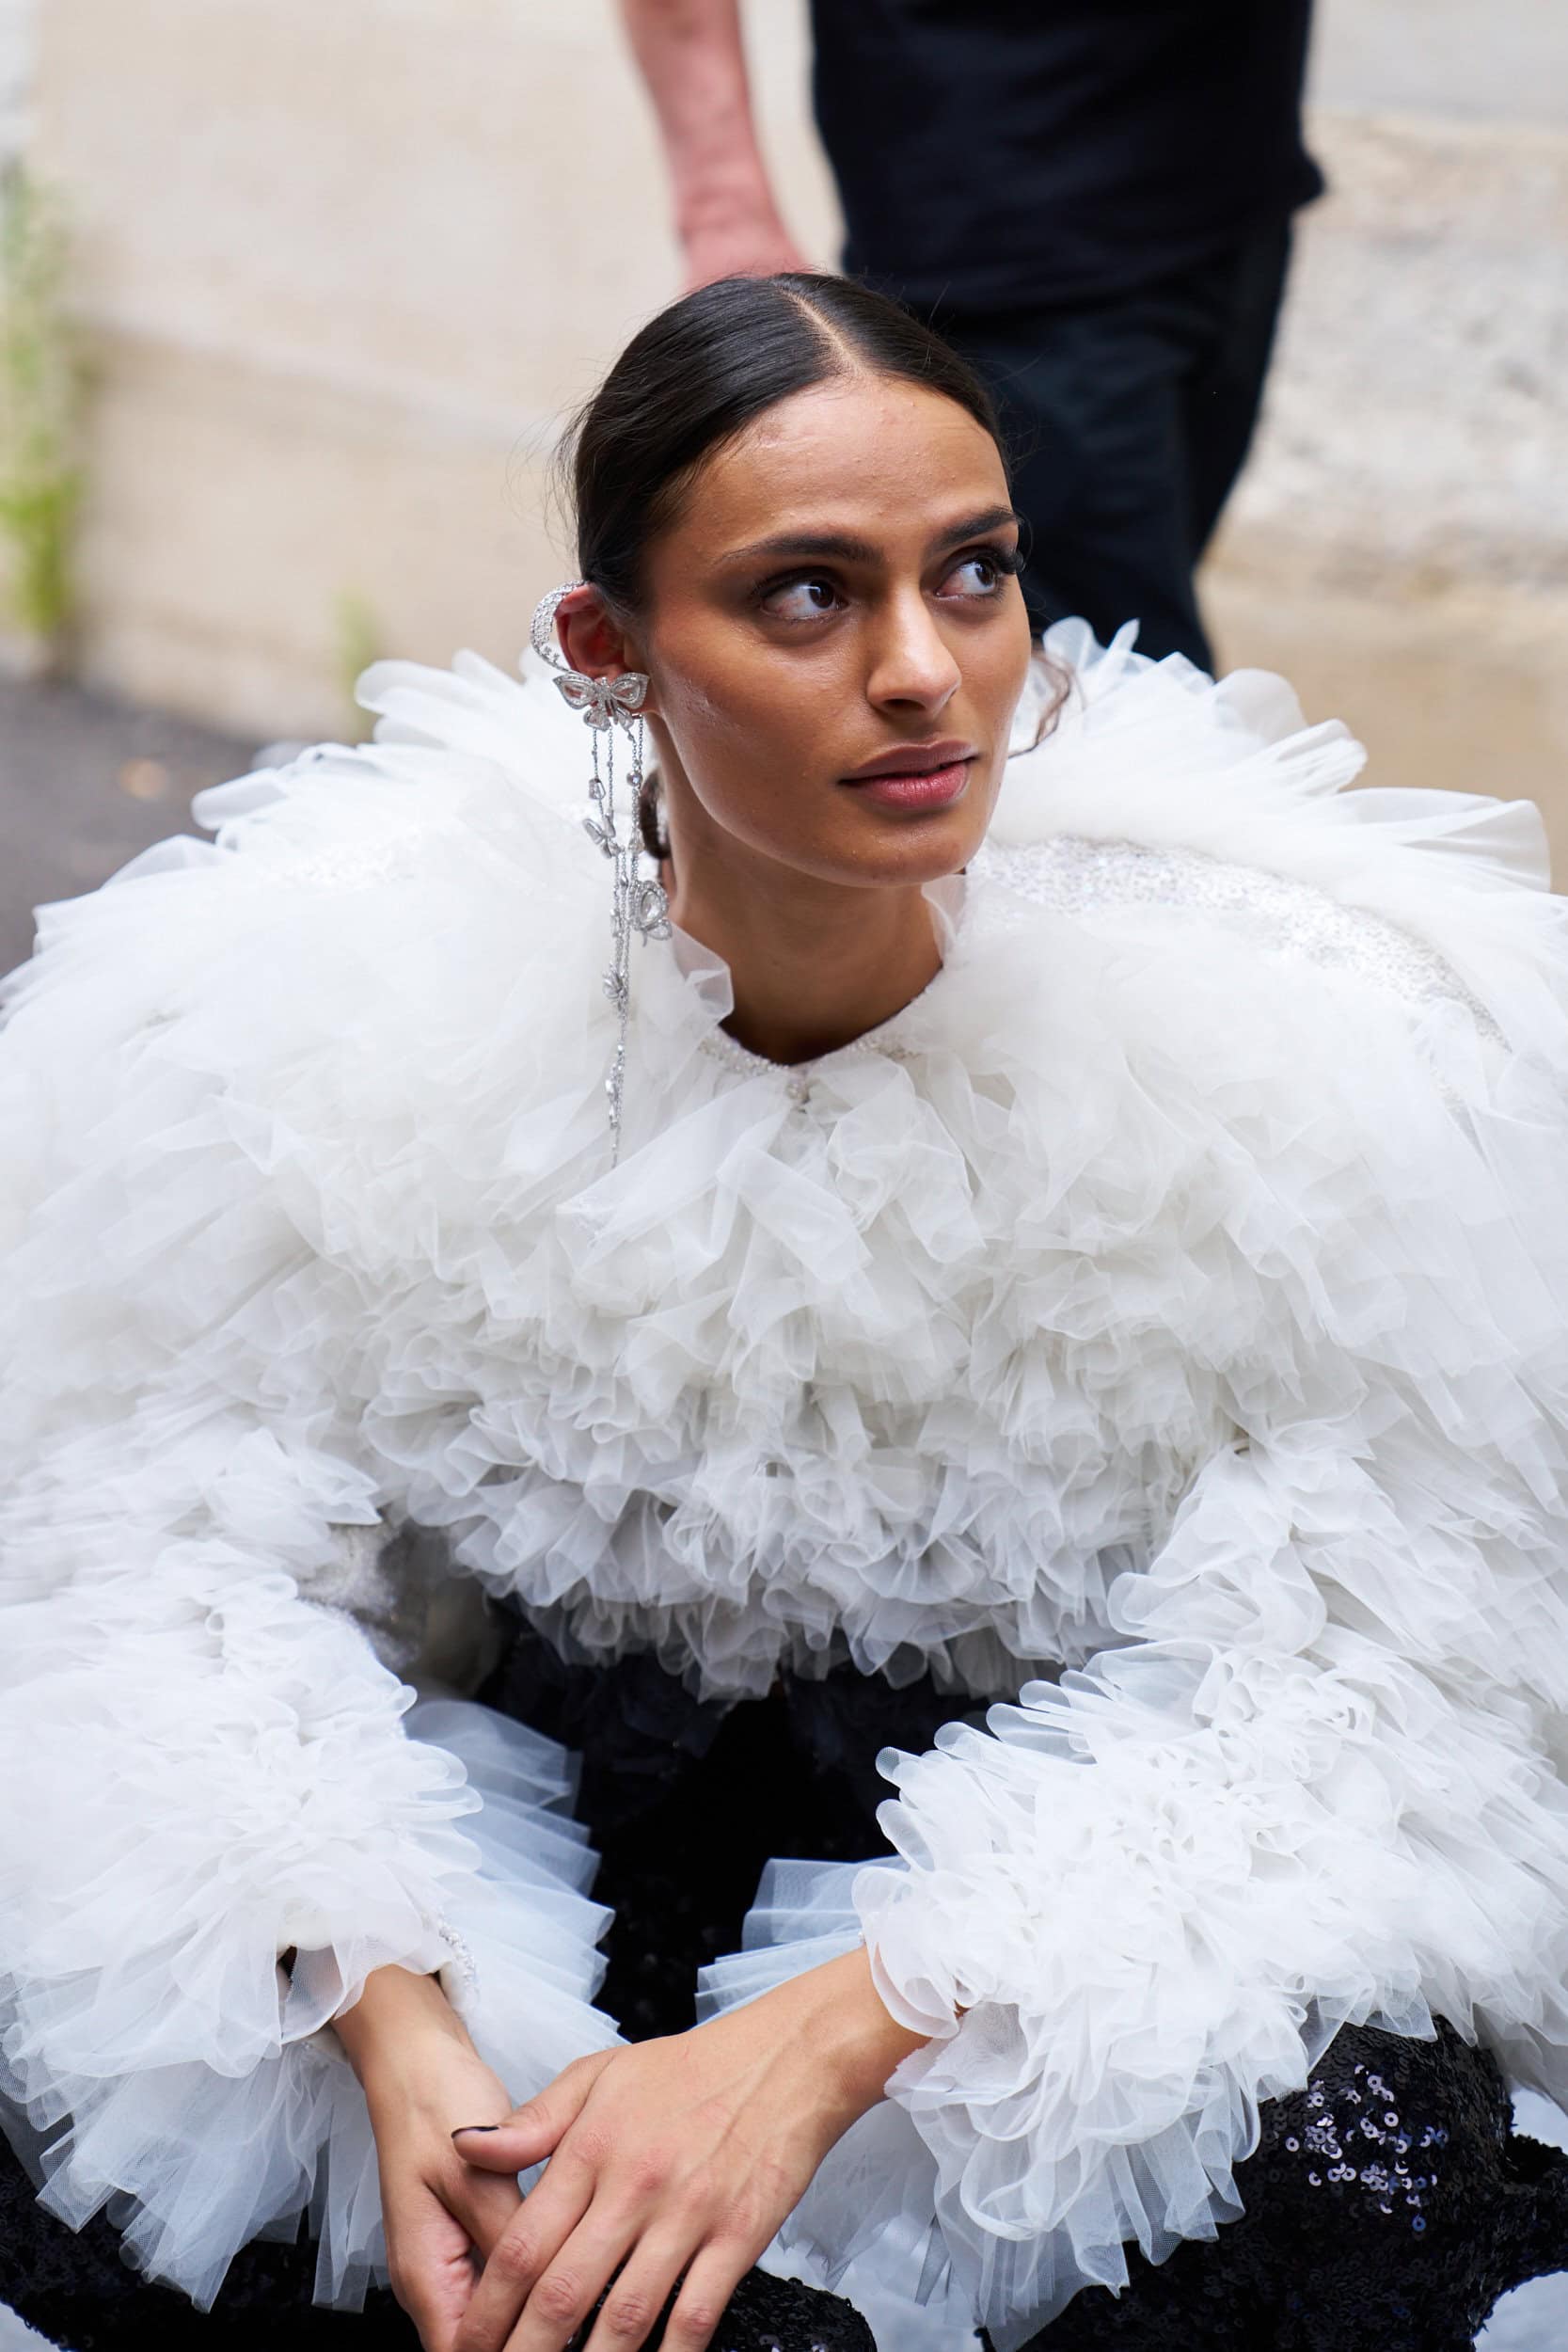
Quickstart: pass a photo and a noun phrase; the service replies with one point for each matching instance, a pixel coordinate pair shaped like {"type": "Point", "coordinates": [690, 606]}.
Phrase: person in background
{"type": "Point", "coordinates": [1092, 199]}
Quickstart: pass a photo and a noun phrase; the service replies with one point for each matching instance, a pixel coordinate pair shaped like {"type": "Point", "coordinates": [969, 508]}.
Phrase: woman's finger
{"type": "Point", "coordinates": [484, 2204]}
{"type": "Point", "coordinates": [530, 2132]}
{"type": "Point", "coordinates": [706, 2290]}
{"type": "Point", "coordinates": [563, 2295]}
{"type": "Point", "coordinates": [638, 2294]}
{"type": "Point", "coordinates": [437, 2271]}
{"type": "Point", "coordinates": [431, 2271]}
{"type": "Point", "coordinates": [518, 2258]}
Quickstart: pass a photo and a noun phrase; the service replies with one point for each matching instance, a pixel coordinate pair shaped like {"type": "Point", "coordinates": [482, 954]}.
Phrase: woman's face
{"type": "Point", "coordinates": [838, 593]}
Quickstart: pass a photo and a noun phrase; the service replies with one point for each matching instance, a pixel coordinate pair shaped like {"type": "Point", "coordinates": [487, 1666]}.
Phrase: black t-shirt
{"type": "Point", "coordinates": [994, 153]}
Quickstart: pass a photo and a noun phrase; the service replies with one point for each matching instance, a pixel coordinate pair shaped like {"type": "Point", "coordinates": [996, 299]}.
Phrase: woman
{"type": "Point", "coordinates": [1076, 1231]}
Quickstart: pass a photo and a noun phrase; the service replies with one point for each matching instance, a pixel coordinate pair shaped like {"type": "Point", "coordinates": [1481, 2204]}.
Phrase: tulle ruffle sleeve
{"type": "Point", "coordinates": [205, 1761]}
{"type": "Point", "coordinates": [1312, 1773]}
{"type": "Point", "coordinates": [1146, 1900]}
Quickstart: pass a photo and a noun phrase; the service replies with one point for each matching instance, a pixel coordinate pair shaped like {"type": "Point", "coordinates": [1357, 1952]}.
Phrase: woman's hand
{"type": "Point", "coordinates": [421, 2075]}
{"type": "Point", "coordinates": [673, 2163]}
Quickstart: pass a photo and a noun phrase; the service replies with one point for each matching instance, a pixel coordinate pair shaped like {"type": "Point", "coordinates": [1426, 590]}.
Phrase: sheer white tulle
{"type": "Point", "coordinates": [1176, 1294]}
{"type": "Point", "coordinates": [205, 1770]}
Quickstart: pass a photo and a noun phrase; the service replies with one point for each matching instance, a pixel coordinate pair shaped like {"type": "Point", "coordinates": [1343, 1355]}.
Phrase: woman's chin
{"type": "Point", "coordinates": [908, 849]}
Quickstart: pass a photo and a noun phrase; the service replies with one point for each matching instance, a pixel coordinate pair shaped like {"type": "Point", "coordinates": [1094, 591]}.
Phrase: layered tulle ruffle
{"type": "Point", "coordinates": [1174, 1291]}
{"type": "Point", "coordinates": [207, 1770]}
{"type": "Point", "coordinates": [1145, 1901]}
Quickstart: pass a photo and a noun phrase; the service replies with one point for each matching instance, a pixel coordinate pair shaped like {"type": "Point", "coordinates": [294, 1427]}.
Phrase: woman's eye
{"type": "Point", "coordinates": [975, 576]}
{"type": "Point", "coordinates": [801, 600]}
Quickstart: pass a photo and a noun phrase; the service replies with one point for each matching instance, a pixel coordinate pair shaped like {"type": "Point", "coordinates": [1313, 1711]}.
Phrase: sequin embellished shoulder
{"type": "Point", "coordinates": [1288, 920]}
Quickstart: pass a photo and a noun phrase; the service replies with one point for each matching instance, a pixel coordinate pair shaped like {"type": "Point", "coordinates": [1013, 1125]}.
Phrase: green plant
{"type": "Point", "coordinates": [41, 411]}
{"type": "Point", "coordinates": [358, 643]}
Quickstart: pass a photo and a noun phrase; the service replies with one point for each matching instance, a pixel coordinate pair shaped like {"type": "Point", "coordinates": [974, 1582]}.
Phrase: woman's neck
{"type": "Point", "coordinates": [814, 965]}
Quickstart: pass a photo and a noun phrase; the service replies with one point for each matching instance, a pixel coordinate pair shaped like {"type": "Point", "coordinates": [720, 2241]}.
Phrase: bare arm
{"type": "Point", "coordinates": [693, 62]}
{"type": "Point", "coordinates": [679, 2155]}
{"type": "Point", "coordinates": [670, 2165]}
{"type": "Point", "coordinates": [422, 2078]}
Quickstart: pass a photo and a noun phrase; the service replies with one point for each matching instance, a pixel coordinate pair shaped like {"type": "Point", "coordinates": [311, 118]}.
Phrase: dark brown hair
{"type": "Point", "coordinates": [701, 372]}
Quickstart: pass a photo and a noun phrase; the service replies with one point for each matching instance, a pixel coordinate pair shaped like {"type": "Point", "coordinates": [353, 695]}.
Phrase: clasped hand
{"type": "Point", "coordinates": [669, 2167]}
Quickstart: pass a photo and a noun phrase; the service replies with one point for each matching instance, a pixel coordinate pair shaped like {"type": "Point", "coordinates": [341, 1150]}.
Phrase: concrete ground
{"type": "Point", "coordinates": [86, 781]}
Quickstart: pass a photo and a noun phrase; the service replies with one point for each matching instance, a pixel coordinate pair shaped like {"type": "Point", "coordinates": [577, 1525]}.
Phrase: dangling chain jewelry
{"type": "Point", "coordinates": [636, 904]}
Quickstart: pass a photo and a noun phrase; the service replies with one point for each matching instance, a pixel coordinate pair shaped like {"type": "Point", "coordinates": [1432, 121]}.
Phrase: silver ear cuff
{"type": "Point", "coordinates": [636, 904]}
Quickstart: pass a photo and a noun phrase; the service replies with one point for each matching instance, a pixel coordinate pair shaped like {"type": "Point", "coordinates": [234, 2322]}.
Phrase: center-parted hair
{"type": "Point", "coordinates": [707, 368]}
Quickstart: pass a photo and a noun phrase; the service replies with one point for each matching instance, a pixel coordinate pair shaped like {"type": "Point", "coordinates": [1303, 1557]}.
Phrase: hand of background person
{"type": "Point", "coordinates": [743, 245]}
{"type": "Point", "coordinates": [421, 2075]}
{"type": "Point", "coordinates": [692, 59]}
{"type": "Point", "coordinates": [673, 2164]}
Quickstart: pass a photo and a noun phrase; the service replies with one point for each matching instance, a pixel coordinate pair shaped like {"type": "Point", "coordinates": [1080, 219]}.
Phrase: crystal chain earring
{"type": "Point", "coordinates": [636, 904]}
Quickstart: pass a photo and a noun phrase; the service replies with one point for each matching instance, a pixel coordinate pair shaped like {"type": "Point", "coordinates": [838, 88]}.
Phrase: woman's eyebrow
{"type": "Point", "coordinates": [975, 527]}
{"type": "Point", "coordinates": [850, 549]}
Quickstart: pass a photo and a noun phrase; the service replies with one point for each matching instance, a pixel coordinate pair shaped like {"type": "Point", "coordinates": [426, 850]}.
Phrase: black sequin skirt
{"type": "Point", "coordinates": [1385, 2209]}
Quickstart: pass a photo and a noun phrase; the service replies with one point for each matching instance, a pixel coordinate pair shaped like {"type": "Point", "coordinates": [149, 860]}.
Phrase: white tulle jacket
{"type": "Point", "coordinates": [1163, 1316]}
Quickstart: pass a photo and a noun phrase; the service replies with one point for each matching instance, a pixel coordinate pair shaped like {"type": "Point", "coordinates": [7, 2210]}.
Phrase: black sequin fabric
{"type": "Point", "coordinates": [687, 1798]}
{"type": "Point", "coordinates": [1386, 2207]}
{"type": "Point", "coordinates": [774, 2315]}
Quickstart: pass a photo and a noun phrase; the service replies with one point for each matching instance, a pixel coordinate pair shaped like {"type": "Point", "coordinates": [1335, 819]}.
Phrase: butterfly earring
{"type": "Point", "coordinates": [638, 904]}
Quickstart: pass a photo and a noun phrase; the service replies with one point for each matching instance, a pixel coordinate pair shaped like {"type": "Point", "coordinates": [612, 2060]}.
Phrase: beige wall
{"type": "Point", "coordinates": [344, 269]}
{"type": "Point", "coordinates": [18, 22]}
{"type": "Point", "coordinates": [346, 266]}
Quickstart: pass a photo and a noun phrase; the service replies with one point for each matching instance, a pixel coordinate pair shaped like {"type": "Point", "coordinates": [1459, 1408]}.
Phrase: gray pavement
{"type": "Point", "coordinates": [86, 781]}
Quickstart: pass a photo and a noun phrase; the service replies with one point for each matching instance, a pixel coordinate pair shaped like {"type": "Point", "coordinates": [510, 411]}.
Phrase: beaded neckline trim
{"type": "Point", "coordinates": [797, 1077]}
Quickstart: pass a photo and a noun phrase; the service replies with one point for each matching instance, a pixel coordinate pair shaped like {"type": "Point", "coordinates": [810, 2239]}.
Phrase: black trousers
{"type": "Point", "coordinates": [1385, 2209]}
{"type": "Point", "coordinates": [1127, 422]}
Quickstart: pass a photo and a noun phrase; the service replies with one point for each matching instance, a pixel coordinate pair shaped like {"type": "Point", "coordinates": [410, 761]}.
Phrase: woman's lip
{"type": "Point", "coordinates": [913, 759]}
{"type": "Point", "coordinates": [924, 787]}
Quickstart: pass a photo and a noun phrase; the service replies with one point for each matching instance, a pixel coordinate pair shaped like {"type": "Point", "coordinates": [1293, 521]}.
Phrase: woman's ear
{"type": "Point", "coordinates": [590, 638]}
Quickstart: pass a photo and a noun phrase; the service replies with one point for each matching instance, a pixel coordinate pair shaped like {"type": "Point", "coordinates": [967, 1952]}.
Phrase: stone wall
{"type": "Point", "coordinates": [345, 268]}
{"type": "Point", "coordinates": [1399, 543]}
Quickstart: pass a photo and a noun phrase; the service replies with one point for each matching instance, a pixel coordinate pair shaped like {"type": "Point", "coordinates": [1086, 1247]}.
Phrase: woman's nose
{"type": "Point", "coordinates": [912, 663]}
